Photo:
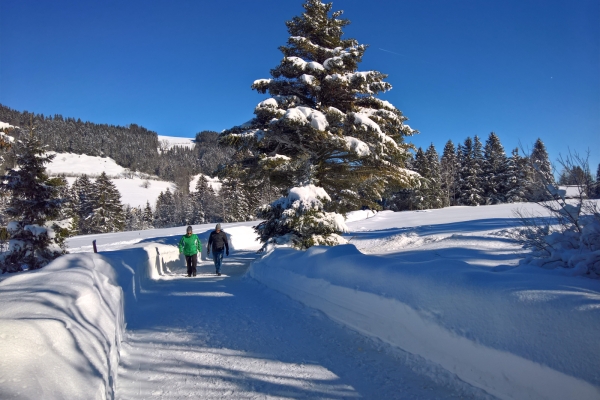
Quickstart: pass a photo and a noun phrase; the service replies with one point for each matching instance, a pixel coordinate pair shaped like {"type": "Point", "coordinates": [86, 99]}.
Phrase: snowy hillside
{"type": "Point", "coordinates": [78, 164]}
{"type": "Point", "coordinates": [172, 141]}
{"type": "Point", "coordinates": [214, 183]}
{"type": "Point", "coordinates": [424, 304]}
{"type": "Point", "coordinates": [135, 190]}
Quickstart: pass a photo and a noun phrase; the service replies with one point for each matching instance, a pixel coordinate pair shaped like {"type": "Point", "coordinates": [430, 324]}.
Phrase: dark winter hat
{"type": "Point", "coordinates": [218, 227]}
{"type": "Point", "coordinates": [189, 228]}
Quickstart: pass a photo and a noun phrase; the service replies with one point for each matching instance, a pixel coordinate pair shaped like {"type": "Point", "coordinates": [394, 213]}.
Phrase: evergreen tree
{"type": "Point", "coordinates": [164, 212]}
{"type": "Point", "coordinates": [434, 192]}
{"type": "Point", "coordinates": [596, 191]}
{"type": "Point", "coordinates": [420, 193]}
{"type": "Point", "coordinates": [516, 178]}
{"type": "Point", "coordinates": [34, 203]}
{"type": "Point", "coordinates": [470, 174]}
{"type": "Point", "coordinates": [299, 219]}
{"type": "Point", "coordinates": [542, 172]}
{"type": "Point", "coordinates": [449, 174]}
{"type": "Point", "coordinates": [202, 197]}
{"type": "Point", "coordinates": [147, 217]}
{"type": "Point", "coordinates": [323, 124]}
{"type": "Point", "coordinates": [574, 176]}
{"type": "Point", "coordinates": [107, 215]}
{"type": "Point", "coordinates": [83, 203]}
{"type": "Point", "coordinates": [495, 185]}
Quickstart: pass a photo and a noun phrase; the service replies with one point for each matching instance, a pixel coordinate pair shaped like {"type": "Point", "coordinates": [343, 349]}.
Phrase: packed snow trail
{"type": "Point", "coordinates": [231, 337]}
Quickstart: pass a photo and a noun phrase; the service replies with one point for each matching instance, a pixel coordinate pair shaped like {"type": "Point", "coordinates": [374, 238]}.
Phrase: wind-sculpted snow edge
{"type": "Point", "coordinates": [61, 329]}
{"type": "Point", "coordinates": [411, 307]}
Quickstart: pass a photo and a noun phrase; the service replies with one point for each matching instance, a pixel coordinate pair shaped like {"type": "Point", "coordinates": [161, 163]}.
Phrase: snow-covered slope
{"type": "Point", "coordinates": [443, 284]}
{"type": "Point", "coordinates": [214, 183]}
{"type": "Point", "coordinates": [79, 164]}
{"type": "Point", "coordinates": [137, 191]}
{"type": "Point", "coordinates": [172, 141]}
{"type": "Point", "coordinates": [442, 287]}
{"type": "Point", "coordinates": [61, 330]}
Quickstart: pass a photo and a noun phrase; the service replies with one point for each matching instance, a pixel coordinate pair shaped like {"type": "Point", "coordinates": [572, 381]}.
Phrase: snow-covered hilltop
{"type": "Point", "coordinates": [168, 142]}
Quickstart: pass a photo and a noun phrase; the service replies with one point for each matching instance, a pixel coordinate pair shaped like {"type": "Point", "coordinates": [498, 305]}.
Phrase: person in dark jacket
{"type": "Point", "coordinates": [217, 243]}
{"type": "Point", "coordinates": [190, 246]}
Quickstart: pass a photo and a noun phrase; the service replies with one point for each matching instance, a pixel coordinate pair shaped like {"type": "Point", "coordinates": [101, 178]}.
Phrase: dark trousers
{"type": "Point", "coordinates": [192, 262]}
{"type": "Point", "coordinates": [218, 259]}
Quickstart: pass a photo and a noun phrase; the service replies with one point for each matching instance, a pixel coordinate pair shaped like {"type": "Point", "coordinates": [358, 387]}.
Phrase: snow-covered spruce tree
{"type": "Point", "coordinates": [83, 203]}
{"type": "Point", "coordinates": [420, 198]}
{"type": "Point", "coordinates": [596, 191]}
{"type": "Point", "coordinates": [323, 124]}
{"type": "Point", "coordinates": [298, 219]}
{"type": "Point", "coordinates": [516, 178]}
{"type": "Point", "coordinates": [6, 141]}
{"type": "Point", "coordinates": [449, 174]}
{"type": "Point", "coordinates": [107, 214]}
{"type": "Point", "coordinates": [434, 192]}
{"type": "Point", "coordinates": [495, 178]}
{"type": "Point", "coordinates": [239, 195]}
{"type": "Point", "coordinates": [164, 212]}
{"type": "Point", "coordinates": [202, 197]}
{"type": "Point", "coordinates": [147, 217]}
{"type": "Point", "coordinates": [34, 204]}
{"type": "Point", "coordinates": [470, 173]}
{"type": "Point", "coordinates": [542, 175]}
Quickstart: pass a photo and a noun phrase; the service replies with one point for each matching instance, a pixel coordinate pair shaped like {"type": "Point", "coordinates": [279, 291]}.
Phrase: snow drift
{"type": "Point", "coordinates": [519, 332]}
{"type": "Point", "coordinates": [61, 330]}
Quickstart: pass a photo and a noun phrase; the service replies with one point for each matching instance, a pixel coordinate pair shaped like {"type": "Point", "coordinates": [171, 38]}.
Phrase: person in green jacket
{"type": "Point", "coordinates": [190, 246]}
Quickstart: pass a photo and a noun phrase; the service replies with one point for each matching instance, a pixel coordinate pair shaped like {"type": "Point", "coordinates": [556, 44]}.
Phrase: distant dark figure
{"type": "Point", "coordinates": [190, 246]}
{"type": "Point", "coordinates": [217, 242]}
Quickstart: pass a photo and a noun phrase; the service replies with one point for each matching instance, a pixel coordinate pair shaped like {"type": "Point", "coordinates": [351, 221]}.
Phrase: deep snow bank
{"type": "Point", "coordinates": [60, 330]}
{"type": "Point", "coordinates": [516, 334]}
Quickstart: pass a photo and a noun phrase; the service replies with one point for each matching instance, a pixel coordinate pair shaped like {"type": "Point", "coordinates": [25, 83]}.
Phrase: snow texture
{"type": "Point", "coordinates": [450, 293]}
{"type": "Point", "coordinates": [79, 164]}
{"type": "Point", "coordinates": [214, 183]}
{"type": "Point", "coordinates": [307, 115]}
{"type": "Point", "coordinates": [61, 330]}
{"type": "Point", "coordinates": [134, 191]}
{"type": "Point", "coordinates": [426, 304]}
{"type": "Point", "coordinates": [172, 141]}
{"type": "Point", "coordinates": [357, 146]}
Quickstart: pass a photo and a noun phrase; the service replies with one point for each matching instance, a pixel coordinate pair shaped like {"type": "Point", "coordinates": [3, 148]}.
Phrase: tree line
{"type": "Point", "coordinates": [133, 147]}
{"type": "Point", "coordinates": [473, 173]}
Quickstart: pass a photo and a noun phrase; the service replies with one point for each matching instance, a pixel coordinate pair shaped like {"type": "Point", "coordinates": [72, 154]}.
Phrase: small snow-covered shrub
{"type": "Point", "coordinates": [299, 220]}
{"type": "Point", "coordinates": [570, 238]}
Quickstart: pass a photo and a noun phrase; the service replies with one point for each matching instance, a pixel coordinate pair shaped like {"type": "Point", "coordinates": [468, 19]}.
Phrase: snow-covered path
{"type": "Point", "coordinates": [231, 337]}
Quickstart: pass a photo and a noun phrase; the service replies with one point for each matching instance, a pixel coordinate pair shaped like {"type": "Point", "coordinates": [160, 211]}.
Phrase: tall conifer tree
{"type": "Point", "coordinates": [449, 172]}
{"type": "Point", "coordinates": [434, 193]}
{"type": "Point", "coordinates": [34, 202]}
{"type": "Point", "coordinates": [542, 172]}
{"type": "Point", "coordinates": [495, 185]}
{"type": "Point", "coordinates": [470, 174]}
{"type": "Point", "coordinates": [323, 124]}
{"type": "Point", "coordinates": [107, 215]}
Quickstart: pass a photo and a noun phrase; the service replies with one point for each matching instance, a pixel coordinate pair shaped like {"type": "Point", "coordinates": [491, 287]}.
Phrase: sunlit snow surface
{"type": "Point", "coordinates": [424, 305]}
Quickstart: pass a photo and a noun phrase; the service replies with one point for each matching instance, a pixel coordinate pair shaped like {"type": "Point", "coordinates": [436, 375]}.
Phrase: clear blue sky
{"type": "Point", "coordinates": [522, 68]}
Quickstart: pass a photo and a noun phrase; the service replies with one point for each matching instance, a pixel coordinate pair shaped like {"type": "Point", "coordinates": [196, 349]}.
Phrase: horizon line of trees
{"type": "Point", "coordinates": [472, 173]}
{"type": "Point", "coordinates": [133, 147]}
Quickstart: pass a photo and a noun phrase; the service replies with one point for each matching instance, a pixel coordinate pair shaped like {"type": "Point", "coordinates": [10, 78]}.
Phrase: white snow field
{"type": "Point", "coordinates": [214, 183]}
{"type": "Point", "coordinates": [79, 164]}
{"type": "Point", "coordinates": [419, 305]}
{"type": "Point", "coordinates": [137, 191]}
{"type": "Point", "coordinates": [172, 141]}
